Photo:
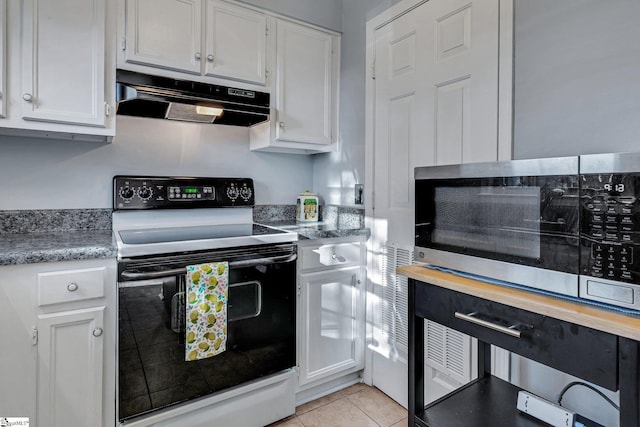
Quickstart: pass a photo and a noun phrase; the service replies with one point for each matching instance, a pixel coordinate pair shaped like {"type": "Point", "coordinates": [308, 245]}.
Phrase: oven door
{"type": "Point", "coordinates": [500, 221]}
{"type": "Point", "coordinates": [153, 373]}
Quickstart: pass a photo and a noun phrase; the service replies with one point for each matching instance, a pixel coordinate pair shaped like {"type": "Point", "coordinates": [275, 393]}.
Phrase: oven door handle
{"type": "Point", "coordinates": [131, 275]}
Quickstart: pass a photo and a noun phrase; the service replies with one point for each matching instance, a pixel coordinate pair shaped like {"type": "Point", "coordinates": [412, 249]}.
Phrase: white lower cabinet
{"type": "Point", "coordinates": [58, 326]}
{"type": "Point", "coordinates": [70, 368]}
{"type": "Point", "coordinates": [330, 310]}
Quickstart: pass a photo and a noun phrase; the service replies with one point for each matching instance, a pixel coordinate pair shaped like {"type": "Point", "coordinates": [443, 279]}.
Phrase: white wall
{"type": "Point", "coordinates": [335, 174]}
{"type": "Point", "coordinates": [53, 174]}
{"type": "Point", "coordinates": [325, 13]}
{"type": "Point", "coordinates": [577, 64]}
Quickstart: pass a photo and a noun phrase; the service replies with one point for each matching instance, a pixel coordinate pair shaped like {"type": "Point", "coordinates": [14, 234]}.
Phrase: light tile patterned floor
{"type": "Point", "coordinates": [355, 406]}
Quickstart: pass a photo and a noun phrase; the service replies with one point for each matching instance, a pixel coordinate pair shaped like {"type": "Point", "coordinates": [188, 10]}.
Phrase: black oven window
{"type": "Point", "coordinates": [494, 219]}
{"type": "Point", "coordinates": [528, 220]}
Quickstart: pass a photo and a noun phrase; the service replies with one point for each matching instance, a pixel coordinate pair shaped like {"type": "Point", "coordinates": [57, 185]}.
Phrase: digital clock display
{"type": "Point", "coordinates": [190, 190]}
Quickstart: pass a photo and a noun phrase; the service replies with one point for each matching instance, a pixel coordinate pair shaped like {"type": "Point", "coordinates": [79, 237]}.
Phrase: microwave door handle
{"type": "Point", "coordinates": [131, 275]}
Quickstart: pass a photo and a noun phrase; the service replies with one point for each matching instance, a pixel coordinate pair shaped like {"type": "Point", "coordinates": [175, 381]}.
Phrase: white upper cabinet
{"type": "Point", "coordinates": [57, 69]}
{"type": "Point", "coordinates": [63, 61]}
{"type": "Point", "coordinates": [3, 72]}
{"type": "Point", "coordinates": [164, 33]}
{"type": "Point", "coordinates": [305, 96]}
{"type": "Point", "coordinates": [236, 43]}
{"type": "Point", "coordinates": [224, 41]}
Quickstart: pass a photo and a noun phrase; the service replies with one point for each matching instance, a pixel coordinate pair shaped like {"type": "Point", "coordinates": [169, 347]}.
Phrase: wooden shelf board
{"type": "Point", "coordinates": [583, 314]}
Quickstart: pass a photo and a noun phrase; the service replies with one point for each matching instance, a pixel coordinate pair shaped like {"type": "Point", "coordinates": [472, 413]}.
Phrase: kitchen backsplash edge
{"type": "Point", "coordinates": [339, 216]}
{"type": "Point", "coordinates": [53, 220]}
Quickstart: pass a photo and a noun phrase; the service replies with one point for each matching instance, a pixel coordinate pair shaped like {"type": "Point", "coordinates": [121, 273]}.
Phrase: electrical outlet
{"type": "Point", "coordinates": [544, 410]}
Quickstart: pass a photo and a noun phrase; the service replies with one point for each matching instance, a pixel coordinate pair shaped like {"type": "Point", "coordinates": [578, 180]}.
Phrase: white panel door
{"type": "Point", "coordinates": [436, 89]}
{"type": "Point", "coordinates": [165, 34]}
{"type": "Point", "coordinates": [236, 43]}
{"type": "Point", "coordinates": [305, 94]}
{"type": "Point", "coordinates": [331, 338]}
{"type": "Point", "coordinates": [63, 61]}
{"type": "Point", "coordinates": [3, 55]}
{"type": "Point", "coordinates": [70, 368]}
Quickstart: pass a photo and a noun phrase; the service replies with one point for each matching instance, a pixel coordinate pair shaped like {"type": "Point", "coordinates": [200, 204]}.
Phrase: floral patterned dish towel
{"type": "Point", "coordinates": [206, 323]}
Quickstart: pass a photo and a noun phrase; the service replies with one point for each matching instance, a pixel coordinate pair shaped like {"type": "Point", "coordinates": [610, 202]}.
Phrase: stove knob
{"type": "Point", "coordinates": [245, 193]}
{"type": "Point", "coordinates": [145, 193]}
{"type": "Point", "coordinates": [126, 193]}
{"type": "Point", "coordinates": [233, 193]}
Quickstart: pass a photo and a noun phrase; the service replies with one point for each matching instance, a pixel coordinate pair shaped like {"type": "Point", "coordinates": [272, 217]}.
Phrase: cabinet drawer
{"type": "Point", "coordinates": [71, 285]}
{"type": "Point", "coordinates": [340, 254]}
{"type": "Point", "coordinates": [575, 349]}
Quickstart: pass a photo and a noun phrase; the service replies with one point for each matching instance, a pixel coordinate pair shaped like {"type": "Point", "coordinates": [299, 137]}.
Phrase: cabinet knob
{"type": "Point", "coordinates": [72, 287]}
{"type": "Point", "coordinates": [198, 56]}
{"type": "Point", "coordinates": [210, 58]}
{"type": "Point", "coordinates": [281, 124]}
{"type": "Point", "coordinates": [97, 332]}
{"type": "Point", "coordinates": [27, 97]}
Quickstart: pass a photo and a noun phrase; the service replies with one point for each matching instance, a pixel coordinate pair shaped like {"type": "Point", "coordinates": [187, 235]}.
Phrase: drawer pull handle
{"type": "Point", "coordinates": [505, 330]}
{"type": "Point", "coordinates": [72, 287]}
{"type": "Point", "coordinates": [338, 257]}
{"type": "Point", "coordinates": [97, 332]}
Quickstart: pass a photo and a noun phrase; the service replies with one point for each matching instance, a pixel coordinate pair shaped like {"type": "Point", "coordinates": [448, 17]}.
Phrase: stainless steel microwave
{"type": "Point", "coordinates": [567, 225]}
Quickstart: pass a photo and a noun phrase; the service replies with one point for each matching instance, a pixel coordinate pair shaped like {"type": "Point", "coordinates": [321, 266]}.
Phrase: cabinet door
{"type": "Point", "coordinates": [18, 351]}
{"type": "Point", "coordinates": [164, 33]}
{"type": "Point", "coordinates": [63, 61]}
{"type": "Point", "coordinates": [70, 368]}
{"type": "Point", "coordinates": [305, 87]}
{"type": "Point", "coordinates": [235, 44]}
{"type": "Point", "coordinates": [332, 321]}
{"type": "Point", "coordinates": [3, 63]}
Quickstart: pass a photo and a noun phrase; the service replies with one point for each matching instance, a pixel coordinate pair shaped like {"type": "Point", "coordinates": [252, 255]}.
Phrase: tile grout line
{"type": "Point", "coordinates": [362, 410]}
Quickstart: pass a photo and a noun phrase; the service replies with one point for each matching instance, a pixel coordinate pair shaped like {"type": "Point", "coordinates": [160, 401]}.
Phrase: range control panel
{"type": "Point", "coordinates": [610, 226]}
{"type": "Point", "coordinates": [137, 192]}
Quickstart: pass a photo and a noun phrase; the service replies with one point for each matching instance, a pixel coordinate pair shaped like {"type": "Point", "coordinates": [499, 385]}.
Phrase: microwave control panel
{"type": "Point", "coordinates": [610, 227]}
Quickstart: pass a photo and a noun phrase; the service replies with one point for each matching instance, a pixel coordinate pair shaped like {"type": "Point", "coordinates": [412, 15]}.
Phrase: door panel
{"type": "Point", "coordinates": [236, 43]}
{"type": "Point", "coordinates": [304, 94]}
{"type": "Point", "coordinates": [452, 121]}
{"type": "Point", "coordinates": [436, 98]}
{"type": "Point", "coordinates": [165, 33]}
{"type": "Point", "coordinates": [70, 370]}
{"type": "Point", "coordinates": [330, 312]}
{"type": "Point", "coordinates": [60, 49]}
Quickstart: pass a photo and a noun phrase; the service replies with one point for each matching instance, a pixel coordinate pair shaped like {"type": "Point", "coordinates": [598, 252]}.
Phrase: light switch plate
{"type": "Point", "coordinates": [359, 194]}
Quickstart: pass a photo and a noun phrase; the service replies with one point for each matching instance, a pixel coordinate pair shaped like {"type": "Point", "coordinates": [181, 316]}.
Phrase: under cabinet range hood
{"type": "Point", "coordinates": [144, 95]}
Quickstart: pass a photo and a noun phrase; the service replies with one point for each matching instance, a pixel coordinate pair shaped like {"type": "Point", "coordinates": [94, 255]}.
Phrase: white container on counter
{"type": "Point", "coordinates": [307, 207]}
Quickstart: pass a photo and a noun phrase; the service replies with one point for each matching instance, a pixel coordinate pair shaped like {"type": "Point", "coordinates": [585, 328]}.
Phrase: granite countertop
{"type": "Point", "coordinates": [29, 248]}
{"type": "Point", "coordinates": [28, 237]}
{"type": "Point", "coordinates": [320, 230]}
{"type": "Point", "coordinates": [51, 235]}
